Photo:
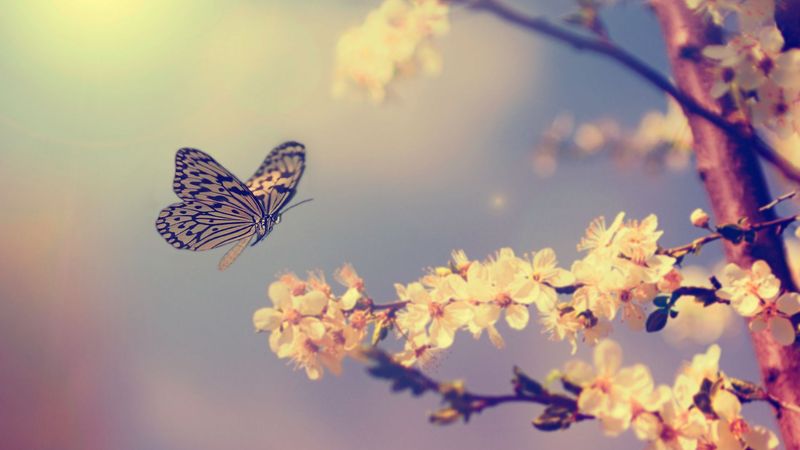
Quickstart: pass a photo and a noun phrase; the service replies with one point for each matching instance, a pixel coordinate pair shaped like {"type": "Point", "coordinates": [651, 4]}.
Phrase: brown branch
{"type": "Point", "coordinates": [737, 188]}
{"type": "Point", "coordinates": [742, 132]}
{"type": "Point", "coordinates": [779, 224]}
{"type": "Point", "coordinates": [461, 404]}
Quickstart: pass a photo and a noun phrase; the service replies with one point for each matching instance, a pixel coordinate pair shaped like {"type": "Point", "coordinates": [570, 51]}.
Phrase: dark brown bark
{"type": "Point", "coordinates": [737, 188]}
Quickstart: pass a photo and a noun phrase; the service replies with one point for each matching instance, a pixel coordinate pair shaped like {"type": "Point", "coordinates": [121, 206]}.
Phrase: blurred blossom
{"type": "Point", "coordinates": [498, 202]}
{"type": "Point", "coordinates": [715, 10]}
{"type": "Point", "coordinates": [393, 42]}
{"type": "Point", "coordinates": [693, 324]}
{"type": "Point", "coordinates": [746, 289]}
{"type": "Point", "coordinates": [754, 70]}
{"type": "Point", "coordinates": [623, 398]}
{"type": "Point", "coordinates": [661, 140]}
{"type": "Point", "coordinates": [785, 144]}
{"type": "Point", "coordinates": [589, 137]}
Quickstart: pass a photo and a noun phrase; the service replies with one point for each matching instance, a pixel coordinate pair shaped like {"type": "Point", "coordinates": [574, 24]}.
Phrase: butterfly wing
{"type": "Point", "coordinates": [275, 181]}
{"type": "Point", "coordinates": [200, 178]}
{"type": "Point", "coordinates": [198, 226]}
{"type": "Point", "coordinates": [217, 207]}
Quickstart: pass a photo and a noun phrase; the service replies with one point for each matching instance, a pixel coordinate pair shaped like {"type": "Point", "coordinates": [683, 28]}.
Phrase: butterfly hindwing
{"type": "Point", "coordinates": [275, 181]}
{"type": "Point", "coordinates": [197, 226]}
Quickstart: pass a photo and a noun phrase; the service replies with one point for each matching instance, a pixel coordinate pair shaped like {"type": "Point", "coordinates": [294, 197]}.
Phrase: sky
{"type": "Point", "coordinates": [110, 338]}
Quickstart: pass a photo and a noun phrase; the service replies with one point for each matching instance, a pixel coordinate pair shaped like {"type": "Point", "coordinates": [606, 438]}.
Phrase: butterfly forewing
{"type": "Point", "coordinates": [275, 181]}
{"type": "Point", "coordinates": [198, 177]}
{"type": "Point", "coordinates": [217, 207]}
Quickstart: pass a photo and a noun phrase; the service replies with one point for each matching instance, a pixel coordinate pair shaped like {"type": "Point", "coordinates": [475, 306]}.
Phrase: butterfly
{"type": "Point", "coordinates": [218, 209]}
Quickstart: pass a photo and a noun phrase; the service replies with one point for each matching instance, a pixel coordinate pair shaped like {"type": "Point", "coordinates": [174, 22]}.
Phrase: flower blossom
{"type": "Point", "coordinates": [393, 40]}
{"type": "Point", "coordinates": [613, 394]}
{"type": "Point", "coordinates": [748, 289]}
{"type": "Point", "coordinates": [775, 317]}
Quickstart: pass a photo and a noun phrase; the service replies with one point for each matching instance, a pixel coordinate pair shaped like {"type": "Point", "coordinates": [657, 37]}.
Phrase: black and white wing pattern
{"type": "Point", "coordinates": [275, 181]}
{"type": "Point", "coordinates": [217, 208]}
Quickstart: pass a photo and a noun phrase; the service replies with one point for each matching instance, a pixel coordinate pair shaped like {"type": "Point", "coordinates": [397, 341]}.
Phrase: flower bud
{"type": "Point", "coordinates": [699, 218]}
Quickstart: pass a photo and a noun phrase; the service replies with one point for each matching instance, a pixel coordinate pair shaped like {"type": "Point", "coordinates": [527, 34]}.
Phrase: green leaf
{"type": "Point", "coordinates": [571, 387]}
{"type": "Point", "coordinates": [381, 331]}
{"type": "Point", "coordinates": [731, 232]}
{"type": "Point", "coordinates": [661, 301]}
{"type": "Point", "coordinates": [703, 402]}
{"type": "Point", "coordinates": [402, 378]}
{"type": "Point", "coordinates": [554, 418]}
{"type": "Point", "coordinates": [526, 384]}
{"type": "Point", "coordinates": [657, 320]}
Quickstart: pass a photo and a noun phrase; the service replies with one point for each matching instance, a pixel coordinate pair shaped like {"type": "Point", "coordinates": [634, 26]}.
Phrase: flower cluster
{"type": "Point", "coordinates": [693, 324]}
{"type": "Point", "coordinates": [622, 273]}
{"type": "Point", "coordinates": [755, 293]}
{"type": "Point", "coordinates": [753, 67]}
{"type": "Point", "coordinates": [309, 325]}
{"type": "Point", "coordinates": [700, 410]}
{"type": "Point", "coordinates": [661, 139]}
{"type": "Point", "coordinates": [394, 40]}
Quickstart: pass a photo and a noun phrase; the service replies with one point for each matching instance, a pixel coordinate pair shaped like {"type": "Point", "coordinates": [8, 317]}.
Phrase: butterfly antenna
{"type": "Point", "coordinates": [296, 204]}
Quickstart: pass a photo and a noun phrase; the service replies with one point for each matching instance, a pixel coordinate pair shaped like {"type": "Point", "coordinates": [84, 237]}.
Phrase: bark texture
{"type": "Point", "coordinates": [737, 188]}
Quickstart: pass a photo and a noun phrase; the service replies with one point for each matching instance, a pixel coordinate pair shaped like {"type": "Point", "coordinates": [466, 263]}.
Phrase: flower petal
{"type": "Point", "coordinates": [495, 337]}
{"type": "Point", "coordinates": [726, 405]}
{"type": "Point", "coordinates": [441, 336]}
{"type": "Point", "coordinates": [782, 330]}
{"type": "Point", "coordinates": [789, 303]}
{"type": "Point", "coordinates": [544, 259]}
{"type": "Point", "coordinates": [312, 327]}
{"type": "Point", "coordinates": [579, 372]}
{"type": "Point", "coordinates": [280, 295]}
{"type": "Point", "coordinates": [517, 316]}
{"type": "Point", "coordinates": [607, 357]}
{"type": "Point", "coordinates": [266, 319]}
{"type": "Point", "coordinates": [758, 324]}
{"type": "Point", "coordinates": [311, 304]}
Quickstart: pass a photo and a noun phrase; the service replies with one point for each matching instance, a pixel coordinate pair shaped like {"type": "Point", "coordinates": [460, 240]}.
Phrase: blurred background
{"type": "Point", "coordinates": [111, 339]}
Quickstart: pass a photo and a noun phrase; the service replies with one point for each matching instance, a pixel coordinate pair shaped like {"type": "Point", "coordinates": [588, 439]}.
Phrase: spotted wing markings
{"type": "Point", "coordinates": [197, 226]}
{"type": "Point", "coordinates": [275, 181]}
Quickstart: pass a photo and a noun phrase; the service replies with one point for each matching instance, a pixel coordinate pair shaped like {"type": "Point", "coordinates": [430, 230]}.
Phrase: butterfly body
{"type": "Point", "coordinates": [219, 209]}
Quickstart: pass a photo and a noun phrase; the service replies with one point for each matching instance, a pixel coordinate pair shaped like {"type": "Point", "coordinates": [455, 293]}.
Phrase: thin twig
{"type": "Point", "coordinates": [777, 201]}
{"type": "Point", "coordinates": [695, 245]}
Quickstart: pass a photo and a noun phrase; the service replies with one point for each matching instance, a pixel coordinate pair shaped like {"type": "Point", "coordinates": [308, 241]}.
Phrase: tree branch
{"type": "Point", "coordinates": [737, 188]}
{"type": "Point", "coordinates": [742, 132]}
{"type": "Point", "coordinates": [461, 404]}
